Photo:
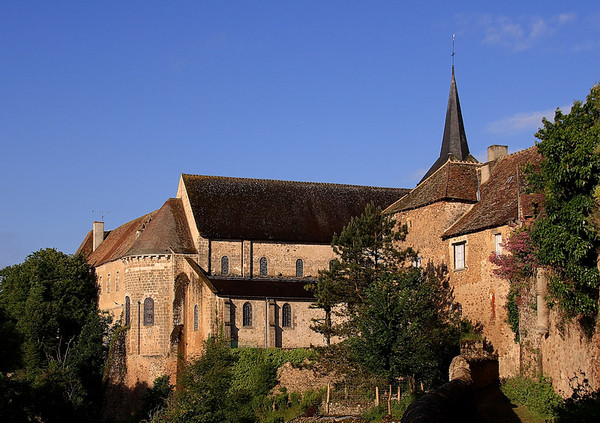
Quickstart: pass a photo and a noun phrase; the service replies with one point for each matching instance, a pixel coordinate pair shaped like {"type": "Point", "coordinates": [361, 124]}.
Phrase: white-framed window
{"type": "Point", "coordinates": [117, 282]}
{"type": "Point", "coordinates": [416, 262]}
{"type": "Point", "coordinates": [108, 284]}
{"type": "Point", "coordinates": [459, 255]}
{"type": "Point", "coordinates": [498, 244]}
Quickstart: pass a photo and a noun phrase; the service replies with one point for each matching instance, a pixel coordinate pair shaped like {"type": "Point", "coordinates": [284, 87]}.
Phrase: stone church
{"type": "Point", "coordinates": [231, 256]}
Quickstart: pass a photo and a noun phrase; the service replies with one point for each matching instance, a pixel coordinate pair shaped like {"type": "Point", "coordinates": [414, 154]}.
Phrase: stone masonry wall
{"type": "Point", "coordinates": [148, 344]}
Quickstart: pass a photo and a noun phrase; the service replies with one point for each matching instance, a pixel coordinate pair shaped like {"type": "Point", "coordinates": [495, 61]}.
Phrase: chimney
{"type": "Point", "coordinates": [496, 152]}
{"type": "Point", "coordinates": [97, 235]}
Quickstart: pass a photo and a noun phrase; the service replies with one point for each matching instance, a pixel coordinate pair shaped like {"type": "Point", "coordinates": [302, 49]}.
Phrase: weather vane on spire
{"type": "Point", "coordinates": [453, 53]}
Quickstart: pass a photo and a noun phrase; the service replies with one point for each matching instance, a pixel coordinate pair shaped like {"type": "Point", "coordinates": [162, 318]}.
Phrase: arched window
{"type": "Point", "coordinates": [299, 268]}
{"type": "Point", "coordinates": [264, 270]}
{"type": "Point", "coordinates": [196, 317]}
{"type": "Point", "coordinates": [286, 316]}
{"type": "Point", "coordinates": [108, 284]}
{"type": "Point", "coordinates": [148, 312]}
{"type": "Point", "coordinates": [117, 282]}
{"type": "Point", "coordinates": [127, 311]}
{"type": "Point", "coordinates": [247, 314]}
{"type": "Point", "coordinates": [224, 265]}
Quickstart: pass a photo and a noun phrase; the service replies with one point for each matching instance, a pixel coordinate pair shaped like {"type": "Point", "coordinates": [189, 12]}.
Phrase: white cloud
{"type": "Point", "coordinates": [522, 122]}
{"type": "Point", "coordinates": [518, 34]}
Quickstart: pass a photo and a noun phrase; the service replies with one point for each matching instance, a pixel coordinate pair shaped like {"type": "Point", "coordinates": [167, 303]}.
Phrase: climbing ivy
{"type": "Point", "coordinates": [565, 239]}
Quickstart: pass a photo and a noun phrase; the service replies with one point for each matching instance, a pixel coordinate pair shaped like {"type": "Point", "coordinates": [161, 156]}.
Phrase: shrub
{"type": "Point", "coordinates": [538, 396]}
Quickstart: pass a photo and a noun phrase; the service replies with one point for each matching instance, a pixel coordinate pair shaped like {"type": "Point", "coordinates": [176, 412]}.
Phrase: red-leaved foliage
{"type": "Point", "coordinates": [518, 262]}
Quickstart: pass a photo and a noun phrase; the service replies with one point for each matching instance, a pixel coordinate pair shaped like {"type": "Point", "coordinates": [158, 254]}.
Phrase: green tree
{"type": "Point", "coordinates": [52, 299]}
{"type": "Point", "coordinates": [565, 238]}
{"type": "Point", "coordinates": [205, 395]}
{"type": "Point", "coordinates": [365, 248]}
{"type": "Point", "coordinates": [395, 319]}
{"type": "Point", "coordinates": [406, 327]}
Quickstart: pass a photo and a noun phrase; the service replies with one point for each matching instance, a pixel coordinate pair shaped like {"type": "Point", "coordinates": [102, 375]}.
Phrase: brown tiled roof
{"type": "Point", "coordinates": [260, 209]}
{"type": "Point", "coordinates": [168, 231]}
{"type": "Point", "coordinates": [499, 195]}
{"type": "Point", "coordinates": [117, 242]}
{"type": "Point", "coordinates": [454, 181]}
{"type": "Point", "coordinates": [260, 288]}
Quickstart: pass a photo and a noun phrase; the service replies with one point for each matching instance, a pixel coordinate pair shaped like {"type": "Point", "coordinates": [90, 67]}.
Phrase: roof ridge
{"type": "Point", "coordinates": [289, 181]}
{"type": "Point", "coordinates": [519, 152]}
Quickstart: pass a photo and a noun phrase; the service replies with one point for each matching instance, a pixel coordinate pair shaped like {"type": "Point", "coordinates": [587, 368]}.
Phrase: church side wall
{"type": "Point", "coordinates": [281, 258]}
{"type": "Point", "coordinates": [267, 313]}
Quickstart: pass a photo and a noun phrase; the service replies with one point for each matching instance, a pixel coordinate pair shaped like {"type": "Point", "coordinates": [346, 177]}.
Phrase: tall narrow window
{"type": "Point", "coordinates": [459, 256]}
{"type": "Point", "coordinates": [108, 284]}
{"type": "Point", "coordinates": [247, 314]}
{"type": "Point", "coordinates": [331, 264]}
{"type": "Point", "coordinates": [498, 244]}
{"type": "Point", "coordinates": [148, 312]}
{"type": "Point", "coordinates": [127, 311]}
{"type": "Point", "coordinates": [299, 268]}
{"type": "Point", "coordinates": [286, 316]}
{"type": "Point", "coordinates": [264, 270]}
{"type": "Point", "coordinates": [224, 265]}
{"type": "Point", "coordinates": [100, 284]}
{"type": "Point", "coordinates": [196, 317]}
{"type": "Point", "coordinates": [117, 282]}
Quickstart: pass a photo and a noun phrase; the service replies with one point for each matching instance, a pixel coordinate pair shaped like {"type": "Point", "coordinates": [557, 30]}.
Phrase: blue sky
{"type": "Point", "coordinates": [105, 104]}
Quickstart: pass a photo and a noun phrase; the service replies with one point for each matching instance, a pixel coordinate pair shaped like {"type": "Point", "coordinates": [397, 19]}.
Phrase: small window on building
{"type": "Point", "coordinates": [264, 269]}
{"type": "Point", "coordinates": [299, 268]}
{"type": "Point", "coordinates": [286, 316]}
{"type": "Point", "coordinates": [224, 265]}
{"type": "Point", "coordinates": [331, 264]}
{"type": "Point", "coordinates": [459, 255]}
{"type": "Point", "coordinates": [416, 262]}
{"type": "Point", "coordinates": [498, 244]}
{"type": "Point", "coordinates": [117, 282]}
{"type": "Point", "coordinates": [108, 284]}
{"type": "Point", "coordinates": [148, 312]}
{"type": "Point", "coordinates": [127, 311]}
{"type": "Point", "coordinates": [100, 284]}
{"type": "Point", "coordinates": [247, 314]}
{"type": "Point", "coordinates": [196, 317]}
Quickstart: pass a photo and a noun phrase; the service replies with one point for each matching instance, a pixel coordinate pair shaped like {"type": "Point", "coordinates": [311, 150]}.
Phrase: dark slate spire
{"type": "Point", "coordinates": [454, 141]}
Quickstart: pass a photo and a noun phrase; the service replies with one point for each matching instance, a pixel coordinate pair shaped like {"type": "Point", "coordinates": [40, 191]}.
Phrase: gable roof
{"type": "Point", "coordinates": [116, 243]}
{"type": "Point", "coordinates": [271, 210]}
{"type": "Point", "coordinates": [454, 140]}
{"type": "Point", "coordinates": [453, 181]}
{"type": "Point", "coordinates": [500, 195]}
{"type": "Point", "coordinates": [167, 232]}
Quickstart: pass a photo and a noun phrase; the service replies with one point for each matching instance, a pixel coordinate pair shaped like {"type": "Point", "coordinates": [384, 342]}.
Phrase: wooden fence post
{"type": "Point", "coordinates": [389, 400]}
{"type": "Point", "coordinates": [328, 396]}
{"type": "Point", "coordinates": [377, 396]}
{"type": "Point", "coordinates": [399, 392]}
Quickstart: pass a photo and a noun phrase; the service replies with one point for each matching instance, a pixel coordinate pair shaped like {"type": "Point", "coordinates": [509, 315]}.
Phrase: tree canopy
{"type": "Point", "coordinates": [50, 302]}
{"type": "Point", "coordinates": [565, 239]}
{"type": "Point", "coordinates": [394, 318]}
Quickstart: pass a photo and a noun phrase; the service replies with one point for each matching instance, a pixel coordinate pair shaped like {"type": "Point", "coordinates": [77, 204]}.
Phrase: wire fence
{"type": "Point", "coordinates": [347, 397]}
